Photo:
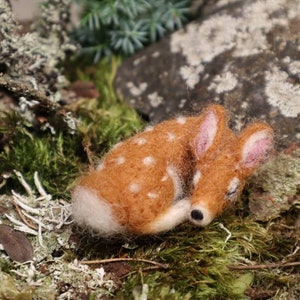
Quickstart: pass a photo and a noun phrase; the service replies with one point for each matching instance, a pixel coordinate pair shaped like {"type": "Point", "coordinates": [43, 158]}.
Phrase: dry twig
{"type": "Point", "coordinates": [111, 260]}
{"type": "Point", "coordinates": [21, 215]}
{"type": "Point", "coordinates": [264, 266]}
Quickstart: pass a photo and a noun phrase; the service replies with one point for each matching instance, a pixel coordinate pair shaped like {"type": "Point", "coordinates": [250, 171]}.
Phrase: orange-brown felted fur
{"type": "Point", "coordinates": [140, 182]}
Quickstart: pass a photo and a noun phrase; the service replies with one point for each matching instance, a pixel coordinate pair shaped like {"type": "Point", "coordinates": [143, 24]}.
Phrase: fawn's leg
{"type": "Point", "coordinates": [176, 214]}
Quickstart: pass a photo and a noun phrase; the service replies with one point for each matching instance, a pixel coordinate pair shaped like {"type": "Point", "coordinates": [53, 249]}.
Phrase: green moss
{"type": "Point", "coordinates": [199, 259]}
{"type": "Point", "coordinates": [9, 291]}
{"type": "Point", "coordinates": [53, 156]}
{"type": "Point", "coordinates": [5, 266]}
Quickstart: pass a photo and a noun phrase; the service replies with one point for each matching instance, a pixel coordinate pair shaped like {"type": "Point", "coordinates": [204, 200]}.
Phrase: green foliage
{"type": "Point", "coordinates": [125, 26]}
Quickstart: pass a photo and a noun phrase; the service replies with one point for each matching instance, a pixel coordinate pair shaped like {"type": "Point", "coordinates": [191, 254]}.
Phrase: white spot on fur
{"type": "Point", "coordinates": [177, 183]}
{"type": "Point", "coordinates": [165, 178]}
{"type": "Point", "coordinates": [281, 93]}
{"type": "Point", "coordinates": [117, 145]}
{"type": "Point", "coordinates": [155, 100]}
{"type": "Point", "coordinates": [140, 141]}
{"type": "Point", "coordinates": [101, 166]}
{"type": "Point", "coordinates": [152, 195]}
{"type": "Point", "coordinates": [171, 137]}
{"type": "Point", "coordinates": [181, 120]}
{"type": "Point", "coordinates": [196, 177]}
{"type": "Point", "coordinates": [148, 161]}
{"type": "Point", "coordinates": [224, 82]}
{"type": "Point", "coordinates": [134, 187]}
{"type": "Point", "coordinates": [120, 160]}
{"type": "Point", "coordinates": [93, 212]}
{"type": "Point", "coordinates": [149, 128]}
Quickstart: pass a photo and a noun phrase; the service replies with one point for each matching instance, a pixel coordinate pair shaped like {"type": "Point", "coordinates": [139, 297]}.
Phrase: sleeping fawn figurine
{"type": "Point", "coordinates": [182, 169]}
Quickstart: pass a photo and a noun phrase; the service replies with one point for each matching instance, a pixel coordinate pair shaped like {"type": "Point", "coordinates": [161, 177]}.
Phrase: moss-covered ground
{"type": "Point", "coordinates": [235, 257]}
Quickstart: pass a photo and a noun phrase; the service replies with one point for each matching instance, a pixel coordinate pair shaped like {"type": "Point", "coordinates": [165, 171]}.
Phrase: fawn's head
{"type": "Point", "coordinates": [223, 163]}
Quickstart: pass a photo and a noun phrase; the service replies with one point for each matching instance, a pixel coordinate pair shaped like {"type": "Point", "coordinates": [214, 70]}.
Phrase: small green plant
{"type": "Point", "coordinates": [125, 26]}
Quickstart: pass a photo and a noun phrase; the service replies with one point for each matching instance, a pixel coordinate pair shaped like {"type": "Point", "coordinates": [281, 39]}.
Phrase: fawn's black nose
{"type": "Point", "coordinates": [196, 215]}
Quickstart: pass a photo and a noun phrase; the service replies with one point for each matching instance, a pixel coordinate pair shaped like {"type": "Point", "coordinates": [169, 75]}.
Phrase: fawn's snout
{"type": "Point", "coordinates": [197, 215]}
{"type": "Point", "coordinates": [200, 216]}
{"type": "Point", "coordinates": [206, 205]}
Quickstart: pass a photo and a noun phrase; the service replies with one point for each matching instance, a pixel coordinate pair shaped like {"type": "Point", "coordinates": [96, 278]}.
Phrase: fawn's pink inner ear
{"type": "Point", "coordinates": [256, 148]}
{"type": "Point", "coordinates": [206, 133]}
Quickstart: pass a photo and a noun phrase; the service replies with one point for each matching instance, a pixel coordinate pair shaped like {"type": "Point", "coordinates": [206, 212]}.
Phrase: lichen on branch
{"type": "Point", "coordinates": [30, 63]}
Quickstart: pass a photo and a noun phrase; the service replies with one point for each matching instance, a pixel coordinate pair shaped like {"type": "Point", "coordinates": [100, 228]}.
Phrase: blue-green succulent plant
{"type": "Point", "coordinates": [125, 26]}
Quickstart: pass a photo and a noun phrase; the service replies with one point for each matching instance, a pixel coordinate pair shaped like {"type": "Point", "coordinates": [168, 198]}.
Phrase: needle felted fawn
{"type": "Point", "coordinates": [139, 185]}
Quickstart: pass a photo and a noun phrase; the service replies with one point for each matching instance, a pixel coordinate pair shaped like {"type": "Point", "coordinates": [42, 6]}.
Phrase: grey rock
{"type": "Point", "coordinates": [242, 54]}
{"type": "Point", "coordinates": [274, 188]}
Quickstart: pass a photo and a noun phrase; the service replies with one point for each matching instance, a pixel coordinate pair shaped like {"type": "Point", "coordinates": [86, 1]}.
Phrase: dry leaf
{"type": "Point", "coordinates": [16, 244]}
{"type": "Point", "coordinates": [85, 89]}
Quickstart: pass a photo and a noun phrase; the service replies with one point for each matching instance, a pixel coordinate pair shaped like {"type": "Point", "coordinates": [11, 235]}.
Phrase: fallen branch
{"type": "Point", "coordinates": [22, 89]}
{"type": "Point", "coordinates": [111, 260]}
{"type": "Point", "coordinates": [264, 266]}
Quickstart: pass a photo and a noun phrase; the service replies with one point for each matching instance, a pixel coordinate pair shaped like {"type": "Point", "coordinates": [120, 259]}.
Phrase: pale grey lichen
{"type": "Point", "coordinates": [139, 60]}
{"type": "Point", "coordinates": [281, 175]}
{"type": "Point", "coordinates": [222, 3]}
{"type": "Point", "coordinates": [155, 54]}
{"type": "Point", "coordinates": [154, 99]}
{"type": "Point", "coordinates": [36, 54]}
{"type": "Point", "coordinates": [137, 90]}
{"type": "Point", "coordinates": [224, 82]}
{"type": "Point", "coordinates": [46, 273]}
{"type": "Point", "coordinates": [294, 68]}
{"type": "Point", "coordinates": [32, 59]}
{"type": "Point", "coordinates": [277, 184]}
{"type": "Point", "coordinates": [281, 93]}
{"type": "Point", "coordinates": [245, 34]}
{"type": "Point", "coordinates": [191, 74]}
{"type": "Point", "coordinates": [197, 44]}
{"type": "Point", "coordinates": [182, 103]}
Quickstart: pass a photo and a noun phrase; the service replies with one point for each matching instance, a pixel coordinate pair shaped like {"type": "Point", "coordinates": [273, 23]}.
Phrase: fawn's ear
{"type": "Point", "coordinates": [210, 131]}
{"type": "Point", "coordinates": [256, 141]}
